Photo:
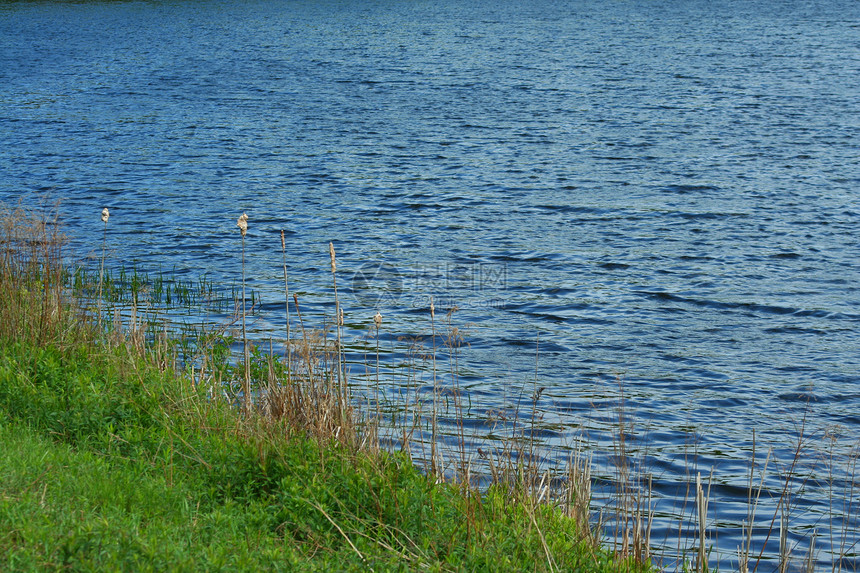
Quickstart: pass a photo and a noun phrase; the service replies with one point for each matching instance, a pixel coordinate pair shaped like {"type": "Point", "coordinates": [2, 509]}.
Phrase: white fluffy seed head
{"type": "Point", "coordinates": [432, 309]}
{"type": "Point", "coordinates": [331, 254]}
{"type": "Point", "coordinates": [105, 215]}
{"type": "Point", "coordinates": [377, 320]}
{"type": "Point", "coordinates": [242, 223]}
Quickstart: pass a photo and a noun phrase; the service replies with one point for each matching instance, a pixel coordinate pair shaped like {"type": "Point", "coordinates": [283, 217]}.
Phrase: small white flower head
{"type": "Point", "coordinates": [105, 215]}
{"type": "Point", "coordinates": [331, 254]}
{"type": "Point", "coordinates": [242, 223]}
{"type": "Point", "coordinates": [377, 320]}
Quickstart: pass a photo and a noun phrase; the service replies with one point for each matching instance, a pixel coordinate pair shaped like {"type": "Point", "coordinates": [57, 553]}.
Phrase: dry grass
{"type": "Point", "coordinates": [306, 391]}
{"type": "Point", "coordinates": [31, 275]}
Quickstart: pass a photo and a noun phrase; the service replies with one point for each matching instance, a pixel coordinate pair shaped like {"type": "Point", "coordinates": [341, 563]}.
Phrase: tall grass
{"type": "Point", "coordinates": [307, 392]}
{"type": "Point", "coordinates": [289, 356]}
{"type": "Point", "coordinates": [31, 276]}
{"type": "Point", "coordinates": [293, 480]}
{"type": "Point", "coordinates": [105, 217]}
{"type": "Point", "coordinates": [242, 223]}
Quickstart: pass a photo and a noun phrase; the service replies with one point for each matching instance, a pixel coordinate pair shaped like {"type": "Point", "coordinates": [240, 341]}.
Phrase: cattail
{"type": "Point", "coordinates": [242, 223]}
{"type": "Point", "coordinates": [434, 469]}
{"type": "Point", "coordinates": [377, 320]}
{"type": "Point", "coordinates": [287, 308]}
{"type": "Point", "coordinates": [105, 217]}
{"type": "Point", "coordinates": [338, 318]}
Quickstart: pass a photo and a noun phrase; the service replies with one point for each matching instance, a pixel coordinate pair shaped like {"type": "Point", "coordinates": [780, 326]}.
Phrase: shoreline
{"type": "Point", "coordinates": [306, 394]}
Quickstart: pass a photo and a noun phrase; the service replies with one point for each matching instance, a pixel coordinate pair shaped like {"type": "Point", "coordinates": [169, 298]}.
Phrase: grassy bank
{"type": "Point", "coordinates": [108, 463]}
{"type": "Point", "coordinates": [200, 448]}
{"type": "Point", "coordinates": [112, 460]}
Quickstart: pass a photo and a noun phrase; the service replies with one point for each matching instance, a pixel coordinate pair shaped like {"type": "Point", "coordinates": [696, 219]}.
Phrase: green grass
{"type": "Point", "coordinates": [112, 461]}
{"type": "Point", "coordinates": [67, 509]}
{"type": "Point", "coordinates": [109, 464]}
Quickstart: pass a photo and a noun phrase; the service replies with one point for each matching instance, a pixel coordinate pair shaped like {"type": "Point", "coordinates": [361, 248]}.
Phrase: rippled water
{"type": "Point", "coordinates": [659, 197]}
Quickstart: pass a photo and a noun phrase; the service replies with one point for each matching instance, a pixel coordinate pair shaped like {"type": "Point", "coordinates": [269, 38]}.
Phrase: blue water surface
{"type": "Point", "coordinates": [651, 199]}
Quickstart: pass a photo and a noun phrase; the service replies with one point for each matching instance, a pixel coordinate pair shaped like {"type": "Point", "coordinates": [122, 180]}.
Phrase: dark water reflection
{"type": "Point", "coordinates": [658, 193]}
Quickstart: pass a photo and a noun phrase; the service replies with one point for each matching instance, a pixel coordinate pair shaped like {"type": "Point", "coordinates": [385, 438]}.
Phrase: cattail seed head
{"type": "Point", "coordinates": [377, 320]}
{"type": "Point", "coordinates": [331, 254]}
{"type": "Point", "coordinates": [340, 317]}
{"type": "Point", "coordinates": [105, 215]}
{"type": "Point", "coordinates": [283, 243]}
{"type": "Point", "coordinates": [432, 309]}
{"type": "Point", "coordinates": [242, 223]}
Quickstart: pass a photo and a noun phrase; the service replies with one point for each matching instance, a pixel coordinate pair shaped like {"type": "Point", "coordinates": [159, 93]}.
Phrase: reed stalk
{"type": "Point", "coordinates": [810, 557]}
{"type": "Point", "coordinates": [105, 217]}
{"type": "Point", "coordinates": [781, 505]}
{"type": "Point", "coordinates": [301, 321]}
{"type": "Point", "coordinates": [783, 541]}
{"type": "Point", "coordinates": [702, 508]}
{"type": "Point", "coordinates": [377, 322]}
{"type": "Point", "coordinates": [338, 319]}
{"type": "Point", "coordinates": [453, 341]}
{"type": "Point", "coordinates": [434, 469]}
{"type": "Point", "coordinates": [536, 395]}
{"type": "Point", "coordinates": [287, 308]}
{"type": "Point", "coordinates": [242, 223]}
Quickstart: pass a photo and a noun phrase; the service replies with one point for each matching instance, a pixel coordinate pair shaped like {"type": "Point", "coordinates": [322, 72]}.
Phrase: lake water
{"type": "Point", "coordinates": [649, 197]}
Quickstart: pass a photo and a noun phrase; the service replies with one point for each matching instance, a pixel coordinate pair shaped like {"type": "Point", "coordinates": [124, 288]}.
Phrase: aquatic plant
{"type": "Point", "coordinates": [377, 322]}
{"type": "Point", "coordinates": [105, 217]}
{"type": "Point", "coordinates": [287, 309]}
{"type": "Point", "coordinates": [310, 395]}
{"type": "Point", "coordinates": [338, 326]}
{"type": "Point", "coordinates": [242, 223]}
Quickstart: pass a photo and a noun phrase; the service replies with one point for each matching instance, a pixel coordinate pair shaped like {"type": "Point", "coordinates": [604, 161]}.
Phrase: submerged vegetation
{"type": "Point", "coordinates": [134, 438]}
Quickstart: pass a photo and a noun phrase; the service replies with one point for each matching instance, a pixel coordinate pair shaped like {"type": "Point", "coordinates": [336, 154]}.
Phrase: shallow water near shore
{"type": "Point", "coordinates": [652, 198]}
